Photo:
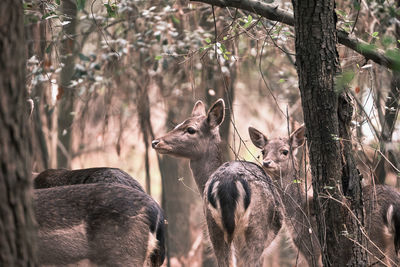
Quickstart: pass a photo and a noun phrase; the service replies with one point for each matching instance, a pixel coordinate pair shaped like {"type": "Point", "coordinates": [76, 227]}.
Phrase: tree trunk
{"type": "Point", "coordinates": [17, 228]}
{"type": "Point", "coordinates": [178, 197]}
{"type": "Point", "coordinates": [66, 106]}
{"type": "Point", "coordinates": [36, 35]}
{"type": "Point", "coordinates": [317, 66]}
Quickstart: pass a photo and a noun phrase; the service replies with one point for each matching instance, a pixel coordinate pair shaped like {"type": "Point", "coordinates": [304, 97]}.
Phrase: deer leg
{"type": "Point", "coordinates": [220, 247]}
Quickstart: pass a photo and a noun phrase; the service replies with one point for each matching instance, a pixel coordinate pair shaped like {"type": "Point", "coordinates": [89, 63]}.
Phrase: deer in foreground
{"type": "Point", "coordinates": [382, 204]}
{"type": "Point", "coordinates": [60, 177]}
{"type": "Point", "coordinates": [242, 213]}
{"type": "Point", "coordinates": [101, 224]}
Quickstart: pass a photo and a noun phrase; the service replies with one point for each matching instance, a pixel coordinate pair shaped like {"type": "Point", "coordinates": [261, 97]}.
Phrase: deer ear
{"type": "Point", "coordinates": [297, 138]}
{"type": "Point", "coordinates": [258, 139]}
{"type": "Point", "coordinates": [216, 113]}
{"type": "Point", "coordinates": [199, 109]}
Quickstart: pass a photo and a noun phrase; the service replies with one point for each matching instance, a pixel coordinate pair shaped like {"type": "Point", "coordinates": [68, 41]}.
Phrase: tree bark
{"type": "Point", "coordinates": [317, 66]}
{"type": "Point", "coordinates": [67, 94]}
{"type": "Point", "coordinates": [36, 45]}
{"type": "Point", "coordinates": [17, 228]}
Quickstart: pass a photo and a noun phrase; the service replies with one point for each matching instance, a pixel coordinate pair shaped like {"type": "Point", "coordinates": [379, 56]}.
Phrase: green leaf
{"type": "Point", "coordinates": [111, 10]}
{"type": "Point", "coordinates": [158, 57]}
{"type": "Point", "coordinates": [58, 2]}
{"type": "Point", "coordinates": [225, 38]}
{"type": "Point", "coordinates": [357, 5]}
{"type": "Point", "coordinates": [223, 48]}
{"type": "Point", "coordinates": [387, 41]}
{"type": "Point", "coordinates": [342, 81]}
{"type": "Point", "coordinates": [367, 47]}
{"type": "Point", "coordinates": [375, 34]}
{"type": "Point", "coordinates": [27, 5]}
{"type": "Point", "coordinates": [175, 19]}
{"type": "Point", "coordinates": [297, 181]}
{"type": "Point", "coordinates": [49, 48]}
{"type": "Point", "coordinates": [341, 13]}
{"type": "Point", "coordinates": [281, 80]}
{"type": "Point", "coordinates": [249, 20]}
{"type": "Point", "coordinates": [207, 40]}
{"type": "Point", "coordinates": [83, 57]}
{"type": "Point", "coordinates": [394, 54]}
{"type": "Point", "coordinates": [80, 4]}
{"type": "Point", "coordinates": [226, 57]}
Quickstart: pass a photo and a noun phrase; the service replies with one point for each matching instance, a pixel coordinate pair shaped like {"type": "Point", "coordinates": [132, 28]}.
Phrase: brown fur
{"type": "Point", "coordinates": [377, 200]}
{"type": "Point", "coordinates": [242, 212]}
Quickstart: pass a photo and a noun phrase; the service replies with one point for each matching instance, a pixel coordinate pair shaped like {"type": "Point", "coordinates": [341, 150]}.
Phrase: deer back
{"type": "Point", "coordinates": [60, 177]}
{"type": "Point", "coordinates": [108, 224]}
{"type": "Point", "coordinates": [243, 203]}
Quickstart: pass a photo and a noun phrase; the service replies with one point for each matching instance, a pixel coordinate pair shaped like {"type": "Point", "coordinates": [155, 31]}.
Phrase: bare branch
{"type": "Point", "coordinates": [276, 14]}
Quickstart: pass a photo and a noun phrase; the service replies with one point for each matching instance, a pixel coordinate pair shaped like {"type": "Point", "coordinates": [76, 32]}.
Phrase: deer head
{"type": "Point", "coordinates": [192, 138]}
{"type": "Point", "coordinates": [278, 153]}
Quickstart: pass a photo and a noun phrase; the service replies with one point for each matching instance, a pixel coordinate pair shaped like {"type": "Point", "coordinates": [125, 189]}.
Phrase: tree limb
{"type": "Point", "coordinates": [274, 13]}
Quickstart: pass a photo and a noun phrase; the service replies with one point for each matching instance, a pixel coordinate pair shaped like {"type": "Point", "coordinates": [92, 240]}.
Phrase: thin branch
{"type": "Point", "coordinates": [276, 14]}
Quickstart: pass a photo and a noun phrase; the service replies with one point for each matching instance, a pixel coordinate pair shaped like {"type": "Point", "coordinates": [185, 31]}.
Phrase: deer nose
{"type": "Point", "coordinates": [266, 163]}
{"type": "Point", "coordinates": [155, 143]}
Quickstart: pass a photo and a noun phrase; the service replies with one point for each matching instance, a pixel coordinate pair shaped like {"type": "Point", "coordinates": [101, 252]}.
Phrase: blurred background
{"type": "Point", "coordinates": [108, 77]}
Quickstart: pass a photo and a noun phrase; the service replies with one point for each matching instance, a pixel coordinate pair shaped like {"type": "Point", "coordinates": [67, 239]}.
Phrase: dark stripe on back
{"type": "Point", "coordinates": [227, 195]}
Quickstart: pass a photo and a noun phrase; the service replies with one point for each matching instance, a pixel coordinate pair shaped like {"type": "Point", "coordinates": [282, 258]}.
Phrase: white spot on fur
{"type": "Point", "coordinates": [241, 214]}
{"type": "Point", "coordinates": [233, 251]}
{"type": "Point", "coordinates": [389, 217]}
{"type": "Point", "coordinates": [216, 212]}
{"type": "Point", "coordinates": [152, 245]}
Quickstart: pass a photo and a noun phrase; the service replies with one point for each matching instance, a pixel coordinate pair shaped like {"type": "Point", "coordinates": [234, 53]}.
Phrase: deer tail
{"type": "Point", "coordinates": [228, 201]}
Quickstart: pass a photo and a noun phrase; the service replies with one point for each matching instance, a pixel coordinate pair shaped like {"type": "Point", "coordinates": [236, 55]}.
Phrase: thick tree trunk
{"type": "Point", "coordinates": [66, 106]}
{"type": "Point", "coordinates": [17, 228]}
{"type": "Point", "coordinates": [317, 66]}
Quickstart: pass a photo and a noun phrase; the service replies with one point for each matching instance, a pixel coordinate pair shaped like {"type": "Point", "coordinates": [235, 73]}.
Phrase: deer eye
{"type": "Point", "coordinates": [191, 130]}
{"type": "Point", "coordinates": [263, 152]}
{"type": "Point", "coordinates": [285, 152]}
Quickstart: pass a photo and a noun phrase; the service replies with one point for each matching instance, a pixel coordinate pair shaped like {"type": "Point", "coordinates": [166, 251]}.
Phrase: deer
{"type": "Point", "coordinates": [60, 177]}
{"type": "Point", "coordinates": [381, 203]}
{"type": "Point", "coordinates": [241, 208]}
{"type": "Point", "coordinates": [99, 224]}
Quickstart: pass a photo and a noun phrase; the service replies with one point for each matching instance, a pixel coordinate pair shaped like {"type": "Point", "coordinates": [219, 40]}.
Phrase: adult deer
{"type": "Point", "coordinates": [132, 200]}
{"type": "Point", "coordinates": [60, 177]}
{"type": "Point", "coordinates": [382, 204]}
{"type": "Point", "coordinates": [102, 224]}
{"type": "Point", "coordinates": [242, 213]}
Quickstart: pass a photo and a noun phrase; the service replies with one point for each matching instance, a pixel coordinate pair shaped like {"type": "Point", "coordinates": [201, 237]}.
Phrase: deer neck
{"type": "Point", "coordinates": [204, 166]}
{"type": "Point", "coordinates": [291, 189]}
